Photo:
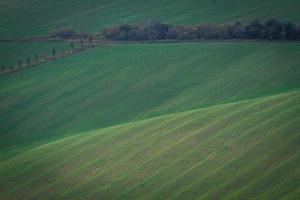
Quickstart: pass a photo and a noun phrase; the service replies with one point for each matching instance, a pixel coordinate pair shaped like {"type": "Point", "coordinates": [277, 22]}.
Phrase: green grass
{"type": "Point", "coordinates": [248, 149]}
{"type": "Point", "coordinates": [11, 52]}
{"type": "Point", "coordinates": [215, 120]}
{"type": "Point", "coordinates": [110, 85]}
{"type": "Point", "coordinates": [33, 17]}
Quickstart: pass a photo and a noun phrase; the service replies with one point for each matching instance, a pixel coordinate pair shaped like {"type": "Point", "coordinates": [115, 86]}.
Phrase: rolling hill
{"type": "Point", "coordinates": [110, 85]}
{"type": "Point", "coordinates": [207, 120]}
{"type": "Point", "coordinates": [247, 149]}
{"type": "Point", "coordinates": [35, 17]}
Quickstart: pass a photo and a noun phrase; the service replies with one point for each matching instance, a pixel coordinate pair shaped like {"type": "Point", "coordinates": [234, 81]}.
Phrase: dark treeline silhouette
{"type": "Point", "coordinates": [69, 33]}
{"type": "Point", "coordinates": [65, 33]}
{"type": "Point", "coordinates": [255, 30]}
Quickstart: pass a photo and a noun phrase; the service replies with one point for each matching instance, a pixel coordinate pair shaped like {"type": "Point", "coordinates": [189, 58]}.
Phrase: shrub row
{"type": "Point", "coordinates": [257, 30]}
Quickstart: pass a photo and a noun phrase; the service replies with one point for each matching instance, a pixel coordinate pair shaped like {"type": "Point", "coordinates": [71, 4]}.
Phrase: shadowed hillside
{"type": "Point", "coordinates": [116, 84]}
{"type": "Point", "coordinates": [41, 16]}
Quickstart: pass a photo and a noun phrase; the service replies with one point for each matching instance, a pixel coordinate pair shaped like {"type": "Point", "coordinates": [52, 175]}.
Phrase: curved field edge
{"type": "Point", "coordinates": [111, 85]}
{"type": "Point", "coordinates": [231, 151]}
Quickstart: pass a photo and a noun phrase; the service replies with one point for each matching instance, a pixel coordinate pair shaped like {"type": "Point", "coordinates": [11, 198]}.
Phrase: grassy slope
{"type": "Point", "coordinates": [11, 52]}
{"type": "Point", "coordinates": [31, 17]}
{"type": "Point", "coordinates": [246, 149]}
{"type": "Point", "coordinates": [116, 84]}
{"type": "Point", "coordinates": [231, 151]}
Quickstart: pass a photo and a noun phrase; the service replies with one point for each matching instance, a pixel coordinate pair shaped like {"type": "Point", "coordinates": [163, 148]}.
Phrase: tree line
{"type": "Point", "coordinates": [271, 29]}
{"type": "Point", "coordinates": [70, 34]}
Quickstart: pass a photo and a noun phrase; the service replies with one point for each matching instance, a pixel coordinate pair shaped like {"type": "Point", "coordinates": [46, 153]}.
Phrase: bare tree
{"type": "Point", "coordinates": [148, 27]}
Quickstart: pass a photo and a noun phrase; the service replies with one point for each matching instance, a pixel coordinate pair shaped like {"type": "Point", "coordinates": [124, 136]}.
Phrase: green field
{"type": "Point", "coordinates": [41, 16]}
{"type": "Point", "coordinates": [232, 151]}
{"type": "Point", "coordinates": [11, 52]}
{"type": "Point", "coordinates": [207, 120]}
{"type": "Point", "coordinates": [116, 84]}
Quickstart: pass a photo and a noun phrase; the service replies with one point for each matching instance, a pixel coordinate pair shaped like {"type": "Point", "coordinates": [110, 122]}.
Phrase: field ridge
{"type": "Point", "coordinates": [220, 137]}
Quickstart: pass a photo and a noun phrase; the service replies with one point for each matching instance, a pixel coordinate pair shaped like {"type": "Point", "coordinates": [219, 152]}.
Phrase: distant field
{"type": "Point", "coordinates": [11, 52]}
{"type": "Point", "coordinates": [232, 151]}
{"type": "Point", "coordinates": [34, 17]}
{"type": "Point", "coordinates": [115, 84]}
